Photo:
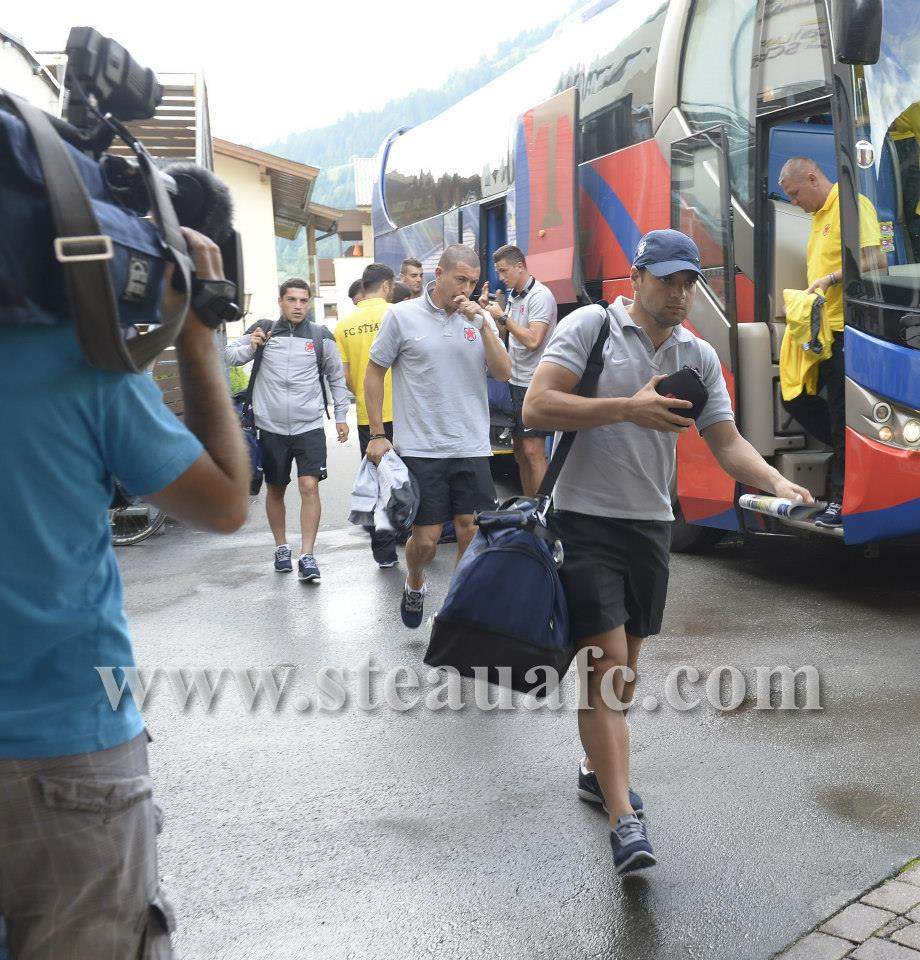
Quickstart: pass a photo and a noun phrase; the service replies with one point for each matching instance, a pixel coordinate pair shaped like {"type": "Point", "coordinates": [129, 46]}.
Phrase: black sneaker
{"type": "Point", "coordinates": [831, 517]}
{"type": "Point", "coordinates": [631, 849]}
{"type": "Point", "coordinates": [307, 570]}
{"type": "Point", "coordinates": [590, 791]}
{"type": "Point", "coordinates": [412, 606]}
{"type": "Point", "coordinates": [283, 559]}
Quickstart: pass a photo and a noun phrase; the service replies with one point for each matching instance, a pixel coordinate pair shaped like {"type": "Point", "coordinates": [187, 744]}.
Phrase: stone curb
{"type": "Point", "coordinates": [883, 923]}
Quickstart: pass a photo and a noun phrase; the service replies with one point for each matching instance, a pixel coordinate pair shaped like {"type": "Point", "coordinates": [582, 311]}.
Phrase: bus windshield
{"type": "Point", "coordinates": [887, 154]}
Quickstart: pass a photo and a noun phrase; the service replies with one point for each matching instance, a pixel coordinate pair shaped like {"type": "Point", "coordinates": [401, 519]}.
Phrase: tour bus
{"type": "Point", "coordinates": [642, 114]}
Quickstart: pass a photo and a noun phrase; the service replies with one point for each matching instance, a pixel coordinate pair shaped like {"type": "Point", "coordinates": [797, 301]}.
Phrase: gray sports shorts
{"type": "Point", "coordinates": [78, 868]}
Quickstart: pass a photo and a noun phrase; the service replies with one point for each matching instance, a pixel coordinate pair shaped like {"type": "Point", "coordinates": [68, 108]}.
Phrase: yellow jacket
{"type": "Point", "coordinates": [798, 364]}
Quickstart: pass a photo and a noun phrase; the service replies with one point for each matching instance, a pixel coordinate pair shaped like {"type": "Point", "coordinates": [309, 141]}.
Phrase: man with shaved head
{"type": "Point", "coordinates": [825, 419]}
{"type": "Point", "coordinates": [440, 346]}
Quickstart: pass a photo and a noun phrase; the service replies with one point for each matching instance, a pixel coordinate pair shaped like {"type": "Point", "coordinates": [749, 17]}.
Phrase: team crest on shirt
{"type": "Point", "coordinates": [827, 229]}
{"type": "Point", "coordinates": [469, 333]}
{"type": "Point", "coordinates": [310, 346]}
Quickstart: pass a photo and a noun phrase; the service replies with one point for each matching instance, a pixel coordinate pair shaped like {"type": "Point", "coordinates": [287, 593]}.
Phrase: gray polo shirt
{"type": "Point", "coordinates": [535, 304]}
{"type": "Point", "coordinates": [440, 393]}
{"type": "Point", "coordinates": [623, 470]}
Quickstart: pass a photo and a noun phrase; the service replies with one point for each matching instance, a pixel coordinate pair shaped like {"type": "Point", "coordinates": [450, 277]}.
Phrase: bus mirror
{"type": "Point", "coordinates": [858, 30]}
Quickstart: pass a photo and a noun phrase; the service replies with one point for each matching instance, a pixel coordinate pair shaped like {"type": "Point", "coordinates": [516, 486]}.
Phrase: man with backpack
{"type": "Point", "coordinates": [440, 347]}
{"type": "Point", "coordinates": [612, 500]}
{"type": "Point", "coordinates": [288, 398]}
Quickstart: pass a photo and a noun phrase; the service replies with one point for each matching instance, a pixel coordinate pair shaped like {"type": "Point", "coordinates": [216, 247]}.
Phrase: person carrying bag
{"type": "Point", "coordinates": [482, 624]}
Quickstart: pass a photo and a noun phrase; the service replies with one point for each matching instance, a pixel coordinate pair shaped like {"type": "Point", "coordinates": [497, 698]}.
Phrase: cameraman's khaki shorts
{"type": "Point", "coordinates": [78, 872]}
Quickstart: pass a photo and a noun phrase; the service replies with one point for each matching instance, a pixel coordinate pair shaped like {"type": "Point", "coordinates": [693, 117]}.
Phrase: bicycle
{"type": "Point", "coordinates": [132, 520]}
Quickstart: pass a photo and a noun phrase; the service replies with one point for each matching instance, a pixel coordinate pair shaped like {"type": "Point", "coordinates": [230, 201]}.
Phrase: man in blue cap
{"type": "Point", "coordinates": [613, 499]}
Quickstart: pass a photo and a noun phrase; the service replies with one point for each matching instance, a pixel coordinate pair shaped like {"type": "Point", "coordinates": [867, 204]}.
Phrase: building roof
{"type": "Point", "coordinates": [350, 223]}
{"type": "Point", "coordinates": [292, 186]}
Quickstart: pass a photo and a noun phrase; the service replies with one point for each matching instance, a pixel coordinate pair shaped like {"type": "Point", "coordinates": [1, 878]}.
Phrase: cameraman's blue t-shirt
{"type": "Point", "coordinates": [65, 431]}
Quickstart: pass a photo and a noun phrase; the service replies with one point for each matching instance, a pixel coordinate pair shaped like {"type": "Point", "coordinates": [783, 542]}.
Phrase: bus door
{"type": "Point", "coordinates": [780, 258]}
{"type": "Point", "coordinates": [545, 194]}
{"type": "Point", "coordinates": [701, 208]}
{"type": "Point", "coordinates": [494, 235]}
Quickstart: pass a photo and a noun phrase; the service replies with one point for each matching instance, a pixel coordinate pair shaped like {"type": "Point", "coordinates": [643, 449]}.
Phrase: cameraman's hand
{"type": "Point", "coordinates": [205, 254]}
{"type": "Point", "coordinates": [206, 258]}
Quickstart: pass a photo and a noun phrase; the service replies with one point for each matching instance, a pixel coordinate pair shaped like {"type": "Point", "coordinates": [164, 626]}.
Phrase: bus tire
{"type": "Point", "coordinates": [690, 537]}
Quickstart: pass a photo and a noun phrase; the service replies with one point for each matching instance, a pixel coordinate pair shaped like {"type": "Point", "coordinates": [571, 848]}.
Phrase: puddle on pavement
{"type": "Point", "coordinates": [869, 807]}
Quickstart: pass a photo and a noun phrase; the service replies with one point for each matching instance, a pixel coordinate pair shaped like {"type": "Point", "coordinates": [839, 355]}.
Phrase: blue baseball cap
{"type": "Point", "coordinates": [663, 252]}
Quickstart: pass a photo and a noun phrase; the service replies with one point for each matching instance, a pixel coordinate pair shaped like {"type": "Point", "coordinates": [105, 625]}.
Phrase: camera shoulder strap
{"type": "Point", "coordinates": [587, 387]}
{"type": "Point", "coordinates": [83, 253]}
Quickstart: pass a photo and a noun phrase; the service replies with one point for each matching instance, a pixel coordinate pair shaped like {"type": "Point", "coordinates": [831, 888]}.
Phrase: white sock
{"type": "Point", "coordinates": [422, 590]}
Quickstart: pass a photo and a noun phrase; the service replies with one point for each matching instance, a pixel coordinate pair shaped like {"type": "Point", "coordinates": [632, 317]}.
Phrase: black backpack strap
{"type": "Point", "coordinates": [587, 387]}
{"type": "Point", "coordinates": [318, 333]}
{"type": "Point", "coordinates": [248, 416]}
{"type": "Point", "coordinates": [83, 252]}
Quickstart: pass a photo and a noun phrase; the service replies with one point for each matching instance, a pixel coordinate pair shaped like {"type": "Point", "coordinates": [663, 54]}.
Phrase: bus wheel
{"type": "Point", "coordinates": [689, 537]}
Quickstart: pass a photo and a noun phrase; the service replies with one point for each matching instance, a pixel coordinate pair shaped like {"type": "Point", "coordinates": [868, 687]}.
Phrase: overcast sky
{"type": "Point", "coordinates": [297, 65]}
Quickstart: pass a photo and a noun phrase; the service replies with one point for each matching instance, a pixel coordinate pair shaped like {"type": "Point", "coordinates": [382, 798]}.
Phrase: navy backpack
{"type": "Point", "coordinates": [505, 611]}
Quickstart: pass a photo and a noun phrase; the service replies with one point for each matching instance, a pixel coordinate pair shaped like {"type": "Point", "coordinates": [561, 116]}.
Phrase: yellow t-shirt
{"type": "Point", "coordinates": [355, 336]}
{"type": "Point", "coordinates": [825, 249]}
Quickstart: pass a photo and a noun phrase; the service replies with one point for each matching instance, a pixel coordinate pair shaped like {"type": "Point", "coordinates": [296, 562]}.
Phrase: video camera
{"type": "Point", "coordinates": [86, 235]}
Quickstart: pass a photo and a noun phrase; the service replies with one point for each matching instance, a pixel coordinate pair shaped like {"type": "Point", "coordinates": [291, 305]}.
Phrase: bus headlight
{"type": "Point", "coordinates": [882, 412]}
{"type": "Point", "coordinates": [911, 431]}
{"type": "Point", "coordinates": [885, 434]}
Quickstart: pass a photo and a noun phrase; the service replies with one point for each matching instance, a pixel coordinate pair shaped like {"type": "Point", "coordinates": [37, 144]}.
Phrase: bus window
{"type": "Point", "coordinates": [465, 154]}
{"type": "Point", "coordinates": [697, 207]}
{"type": "Point", "coordinates": [888, 166]}
{"type": "Point", "coordinates": [887, 153]}
{"type": "Point", "coordinates": [791, 58]}
{"type": "Point", "coordinates": [717, 89]}
{"type": "Point", "coordinates": [617, 88]}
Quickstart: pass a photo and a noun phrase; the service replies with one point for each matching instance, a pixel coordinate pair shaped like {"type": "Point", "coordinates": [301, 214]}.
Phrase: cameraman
{"type": "Point", "coordinates": [77, 819]}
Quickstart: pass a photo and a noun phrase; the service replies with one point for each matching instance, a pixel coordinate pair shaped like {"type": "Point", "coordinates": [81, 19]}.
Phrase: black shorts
{"type": "Point", "coordinates": [364, 435]}
{"type": "Point", "coordinates": [279, 452]}
{"type": "Point", "coordinates": [451, 487]}
{"type": "Point", "coordinates": [615, 572]}
{"type": "Point", "coordinates": [517, 414]}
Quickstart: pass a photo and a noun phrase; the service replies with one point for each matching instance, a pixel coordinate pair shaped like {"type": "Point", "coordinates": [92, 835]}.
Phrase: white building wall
{"type": "Point", "coordinates": [255, 222]}
{"type": "Point", "coordinates": [17, 76]}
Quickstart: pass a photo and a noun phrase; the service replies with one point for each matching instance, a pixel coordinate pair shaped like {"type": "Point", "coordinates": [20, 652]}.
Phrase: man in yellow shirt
{"type": "Point", "coordinates": [355, 335]}
{"type": "Point", "coordinates": [807, 187]}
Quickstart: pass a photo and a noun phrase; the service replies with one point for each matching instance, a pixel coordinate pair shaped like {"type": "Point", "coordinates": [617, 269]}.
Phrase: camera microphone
{"type": "Point", "coordinates": [202, 201]}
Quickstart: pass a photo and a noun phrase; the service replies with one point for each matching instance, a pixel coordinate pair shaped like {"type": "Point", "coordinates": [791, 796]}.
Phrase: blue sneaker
{"type": "Point", "coordinates": [307, 570]}
{"type": "Point", "coordinates": [412, 606]}
{"type": "Point", "coordinates": [830, 517]}
{"type": "Point", "coordinates": [283, 559]}
{"type": "Point", "coordinates": [590, 791]}
{"type": "Point", "coordinates": [631, 849]}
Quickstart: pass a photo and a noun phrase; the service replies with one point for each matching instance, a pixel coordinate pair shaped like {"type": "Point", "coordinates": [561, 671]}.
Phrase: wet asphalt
{"type": "Point", "coordinates": [379, 834]}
